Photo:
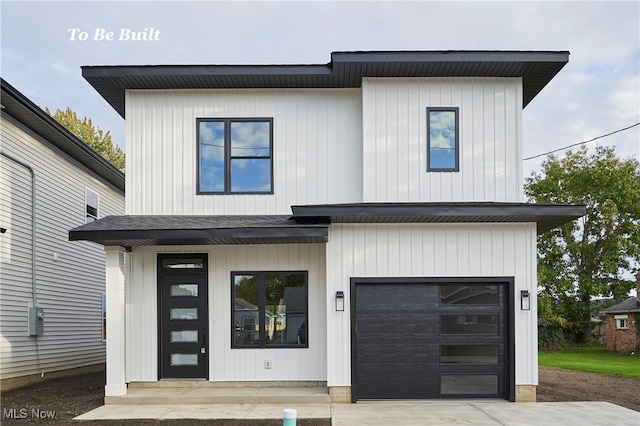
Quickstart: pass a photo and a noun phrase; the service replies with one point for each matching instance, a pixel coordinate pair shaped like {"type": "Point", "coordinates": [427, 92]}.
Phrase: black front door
{"type": "Point", "coordinates": [183, 316]}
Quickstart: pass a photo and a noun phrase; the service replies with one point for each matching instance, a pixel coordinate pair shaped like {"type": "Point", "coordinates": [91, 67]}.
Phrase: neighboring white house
{"type": "Point", "coordinates": [364, 218]}
{"type": "Point", "coordinates": [50, 182]}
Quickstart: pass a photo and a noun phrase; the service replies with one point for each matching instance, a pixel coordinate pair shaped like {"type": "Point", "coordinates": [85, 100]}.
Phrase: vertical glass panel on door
{"type": "Point", "coordinates": [184, 313]}
{"type": "Point", "coordinates": [285, 308]}
{"type": "Point", "coordinates": [469, 354]}
{"type": "Point", "coordinates": [468, 294]}
{"type": "Point", "coordinates": [468, 384]}
{"type": "Point", "coordinates": [188, 290]}
{"type": "Point", "coordinates": [184, 360]}
{"type": "Point", "coordinates": [246, 313]}
{"type": "Point", "coordinates": [469, 324]}
{"type": "Point", "coordinates": [184, 336]}
{"type": "Point", "coordinates": [212, 161]}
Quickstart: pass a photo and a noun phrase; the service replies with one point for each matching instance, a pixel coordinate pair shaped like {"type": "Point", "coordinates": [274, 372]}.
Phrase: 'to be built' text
{"type": "Point", "coordinates": [124, 34]}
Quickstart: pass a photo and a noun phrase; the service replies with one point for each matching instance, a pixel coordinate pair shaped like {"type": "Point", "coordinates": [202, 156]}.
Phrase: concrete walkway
{"type": "Point", "coordinates": [391, 413]}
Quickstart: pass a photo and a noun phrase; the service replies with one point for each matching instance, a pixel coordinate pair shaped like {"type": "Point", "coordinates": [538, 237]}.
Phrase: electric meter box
{"type": "Point", "coordinates": [36, 321]}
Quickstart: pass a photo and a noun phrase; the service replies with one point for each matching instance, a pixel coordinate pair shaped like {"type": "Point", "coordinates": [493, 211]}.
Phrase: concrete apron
{"type": "Point", "coordinates": [389, 413]}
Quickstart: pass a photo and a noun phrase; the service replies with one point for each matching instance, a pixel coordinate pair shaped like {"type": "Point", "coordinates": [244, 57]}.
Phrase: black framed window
{"type": "Point", "coordinates": [269, 309]}
{"type": "Point", "coordinates": [443, 144]}
{"type": "Point", "coordinates": [235, 155]}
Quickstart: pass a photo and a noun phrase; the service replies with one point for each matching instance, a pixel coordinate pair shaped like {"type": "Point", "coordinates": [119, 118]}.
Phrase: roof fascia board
{"type": "Point", "coordinates": [199, 234]}
{"type": "Point", "coordinates": [208, 70]}
{"type": "Point", "coordinates": [451, 56]}
{"type": "Point", "coordinates": [462, 209]}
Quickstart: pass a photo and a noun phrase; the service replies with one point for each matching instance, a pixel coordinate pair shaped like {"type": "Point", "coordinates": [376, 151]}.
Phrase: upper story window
{"type": "Point", "coordinates": [442, 140]}
{"type": "Point", "coordinates": [235, 155]}
{"type": "Point", "coordinates": [91, 209]}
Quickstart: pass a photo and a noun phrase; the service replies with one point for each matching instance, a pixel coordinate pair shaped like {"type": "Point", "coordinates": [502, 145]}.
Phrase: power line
{"type": "Point", "coordinates": [581, 143]}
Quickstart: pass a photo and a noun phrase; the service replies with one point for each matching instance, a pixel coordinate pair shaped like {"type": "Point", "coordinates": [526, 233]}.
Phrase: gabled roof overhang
{"type": "Point", "coordinates": [309, 224]}
{"type": "Point", "coordinates": [346, 70]}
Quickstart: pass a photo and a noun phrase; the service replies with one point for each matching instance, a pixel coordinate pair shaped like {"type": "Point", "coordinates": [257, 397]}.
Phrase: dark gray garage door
{"type": "Point", "coordinates": [415, 339]}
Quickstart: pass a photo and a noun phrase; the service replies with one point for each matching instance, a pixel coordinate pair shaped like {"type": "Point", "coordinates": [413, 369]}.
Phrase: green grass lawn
{"type": "Point", "coordinates": [593, 359]}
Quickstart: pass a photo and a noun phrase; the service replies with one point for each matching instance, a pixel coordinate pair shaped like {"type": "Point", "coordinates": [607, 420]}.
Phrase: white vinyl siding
{"type": "Point", "coordinates": [395, 139]}
{"type": "Point", "coordinates": [70, 275]}
{"type": "Point", "coordinates": [317, 149]}
{"type": "Point", "coordinates": [438, 250]}
{"type": "Point", "coordinates": [226, 364]}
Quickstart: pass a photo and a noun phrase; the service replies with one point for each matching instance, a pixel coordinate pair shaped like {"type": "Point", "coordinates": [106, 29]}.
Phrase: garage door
{"type": "Point", "coordinates": [415, 339]}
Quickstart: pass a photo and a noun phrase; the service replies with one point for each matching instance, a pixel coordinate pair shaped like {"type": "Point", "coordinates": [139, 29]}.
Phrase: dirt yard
{"type": "Point", "coordinates": [67, 398]}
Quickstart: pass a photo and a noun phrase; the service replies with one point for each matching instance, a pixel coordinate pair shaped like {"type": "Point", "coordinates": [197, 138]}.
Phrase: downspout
{"type": "Point", "coordinates": [33, 224]}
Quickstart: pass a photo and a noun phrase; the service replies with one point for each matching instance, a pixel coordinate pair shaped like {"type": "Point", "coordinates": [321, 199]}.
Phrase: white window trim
{"type": "Point", "coordinates": [86, 203]}
{"type": "Point", "coordinates": [622, 319]}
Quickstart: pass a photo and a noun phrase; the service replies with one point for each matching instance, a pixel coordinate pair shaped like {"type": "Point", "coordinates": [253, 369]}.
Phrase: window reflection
{"type": "Point", "coordinates": [469, 354]}
{"type": "Point", "coordinates": [469, 324]}
{"type": "Point", "coordinates": [246, 313]}
{"type": "Point", "coordinates": [468, 294]}
{"type": "Point", "coordinates": [270, 309]}
{"type": "Point", "coordinates": [443, 138]}
{"type": "Point", "coordinates": [286, 308]}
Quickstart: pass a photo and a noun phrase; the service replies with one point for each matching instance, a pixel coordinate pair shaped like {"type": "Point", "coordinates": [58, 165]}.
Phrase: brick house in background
{"type": "Point", "coordinates": [622, 324]}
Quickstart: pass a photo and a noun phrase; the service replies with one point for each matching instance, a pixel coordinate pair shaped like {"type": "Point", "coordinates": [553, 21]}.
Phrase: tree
{"type": "Point", "coordinates": [94, 137]}
{"type": "Point", "coordinates": [598, 254]}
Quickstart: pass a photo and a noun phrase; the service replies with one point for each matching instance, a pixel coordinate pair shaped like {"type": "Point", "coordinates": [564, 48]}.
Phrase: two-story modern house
{"type": "Point", "coordinates": [52, 290]}
{"type": "Point", "coordinates": [358, 225]}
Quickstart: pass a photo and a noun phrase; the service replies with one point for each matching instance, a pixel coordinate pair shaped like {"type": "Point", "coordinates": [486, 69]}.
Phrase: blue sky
{"type": "Point", "coordinates": [596, 93]}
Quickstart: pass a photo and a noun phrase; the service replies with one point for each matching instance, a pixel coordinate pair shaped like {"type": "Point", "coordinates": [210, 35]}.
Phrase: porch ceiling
{"type": "Point", "coordinates": [545, 216]}
{"type": "Point", "coordinates": [132, 231]}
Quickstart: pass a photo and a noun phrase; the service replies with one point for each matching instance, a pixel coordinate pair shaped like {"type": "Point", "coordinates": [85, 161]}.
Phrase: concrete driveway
{"type": "Point", "coordinates": [390, 413]}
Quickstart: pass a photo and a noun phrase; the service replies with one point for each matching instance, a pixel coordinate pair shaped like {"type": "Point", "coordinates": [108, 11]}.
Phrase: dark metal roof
{"type": "Point", "coordinates": [18, 106]}
{"type": "Point", "coordinates": [545, 216]}
{"type": "Point", "coordinates": [632, 304]}
{"type": "Point", "coordinates": [131, 231]}
{"type": "Point", "coordinates": [346, 70]}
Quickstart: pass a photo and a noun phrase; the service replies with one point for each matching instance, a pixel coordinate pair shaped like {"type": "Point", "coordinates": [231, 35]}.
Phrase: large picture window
{"type": "Point", "coordinates": [269, 309]}
{"type": "Point", "coordinates": [235, 155]}
{"type": "Point", "coordinates": [442, 140]}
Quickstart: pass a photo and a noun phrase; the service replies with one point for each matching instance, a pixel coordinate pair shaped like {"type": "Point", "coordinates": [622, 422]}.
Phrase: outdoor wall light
{"type": "Point", "coordinates": [339, 301]}
{"type": "Point", "coordinates": [525, 300]}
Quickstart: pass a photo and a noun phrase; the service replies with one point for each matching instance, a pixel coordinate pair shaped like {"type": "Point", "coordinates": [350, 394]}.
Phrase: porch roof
{"type": "Point", "coordinates": [546, 216]}
{"type": "Point", "coordinates": [310, 224]}
{"type": "Point", "coordinates": [131, 231]}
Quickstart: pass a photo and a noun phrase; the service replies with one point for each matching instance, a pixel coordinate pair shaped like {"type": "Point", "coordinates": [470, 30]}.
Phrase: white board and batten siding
{"type": "Point", "coordinates": [437, 250]}
{"type": "Point", "coordinates": [317, 149]}
{"type": "Point", "coordinates": [226, 364]}
{"type": "Point", "coordinates": [70, 275]}
{"type": "Point", "coordinates": [395, 139]}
